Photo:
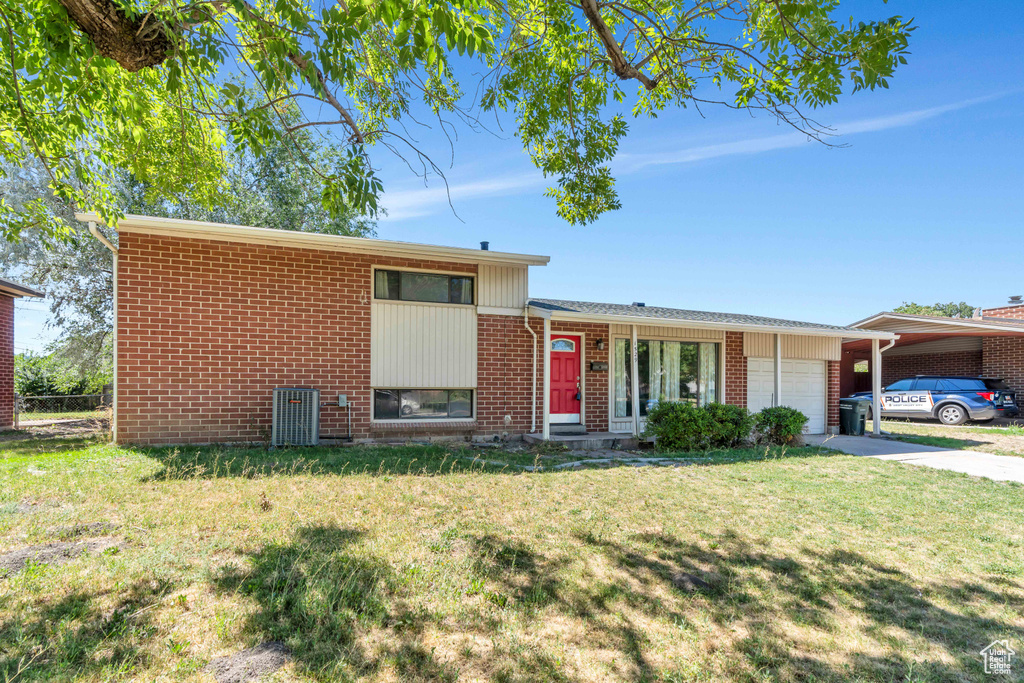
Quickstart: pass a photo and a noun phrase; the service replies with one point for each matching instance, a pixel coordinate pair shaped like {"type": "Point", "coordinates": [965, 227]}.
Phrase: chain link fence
{"type": "Point", "coordinates": [75, 407]}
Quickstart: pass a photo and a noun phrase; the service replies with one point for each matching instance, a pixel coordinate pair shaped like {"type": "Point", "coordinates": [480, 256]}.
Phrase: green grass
{"type": "Point", "coordinates": [65, 415]}
{"type": "Point", "coordinates": [428, 564]}
{"type": "Point", "coordinates": [1001, 441]}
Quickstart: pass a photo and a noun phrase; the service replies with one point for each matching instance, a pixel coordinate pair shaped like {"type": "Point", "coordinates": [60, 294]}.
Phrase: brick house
{"type": "Point", "coordinates": [422, 341]}
{"type": "Point", "coordinates": [9, 291]}
{"type": "Point", "coordinates": [991, 344]}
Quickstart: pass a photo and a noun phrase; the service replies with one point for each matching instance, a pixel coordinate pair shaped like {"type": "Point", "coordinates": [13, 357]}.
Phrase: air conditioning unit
{"type": "Point", "coordinates": [296, 417]}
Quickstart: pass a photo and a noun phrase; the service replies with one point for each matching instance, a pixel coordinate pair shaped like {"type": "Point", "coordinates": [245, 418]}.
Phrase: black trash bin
{"type": "Point", "coordinates": [853, 414]}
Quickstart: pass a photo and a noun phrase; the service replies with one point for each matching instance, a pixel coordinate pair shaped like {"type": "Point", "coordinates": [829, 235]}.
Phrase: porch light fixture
{"type": "Point", "coordinates": [600, 344]}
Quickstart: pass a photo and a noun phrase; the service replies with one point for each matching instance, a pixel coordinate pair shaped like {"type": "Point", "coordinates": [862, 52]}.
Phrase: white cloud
{"type": "Point", "coordinates": [427, 200]}
{"type": "Point", "coordinates": [404, 204]}
{"type": "Point", "coordinates": [631, 163]}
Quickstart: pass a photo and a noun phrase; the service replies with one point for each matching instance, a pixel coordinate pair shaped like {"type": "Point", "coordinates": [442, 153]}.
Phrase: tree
{"type": "Point", "coordinates": [950, 310]}
{"type": "Point", "coordinates": [274, 190]}
{"type": "Point", "coordinates": [152, 86]}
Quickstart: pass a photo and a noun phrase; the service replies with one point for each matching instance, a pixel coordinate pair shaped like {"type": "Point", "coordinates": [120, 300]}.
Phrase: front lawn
{"type": "Point", "coordinates": [435, 564]}
{"type": "Point", "coordinates": [999, 440]}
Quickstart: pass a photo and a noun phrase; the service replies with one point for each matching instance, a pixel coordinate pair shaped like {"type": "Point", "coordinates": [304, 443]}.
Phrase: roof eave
{"type": "Point", "coordinates": [950, 322]}
{"type": "Point", "coordinates": [20, 291]}
{"type": "Point", "coordinates": [702, 324]}
{"type": "Point", "coordinates": [222, 232]}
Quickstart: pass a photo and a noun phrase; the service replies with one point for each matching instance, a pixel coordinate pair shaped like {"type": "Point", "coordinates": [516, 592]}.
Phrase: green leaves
{"type": "Point", "coordinates": [237, 71]}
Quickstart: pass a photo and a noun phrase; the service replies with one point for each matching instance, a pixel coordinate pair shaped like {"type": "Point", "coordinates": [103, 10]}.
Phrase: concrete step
{"type": "Point", "coordinates": [591, 441]}
{"type": "Point", "coordinates": [563, 430]}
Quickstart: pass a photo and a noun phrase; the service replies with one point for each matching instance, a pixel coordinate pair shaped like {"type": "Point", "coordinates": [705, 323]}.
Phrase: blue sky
{"type": "Point", "coordinates": [739, 214]}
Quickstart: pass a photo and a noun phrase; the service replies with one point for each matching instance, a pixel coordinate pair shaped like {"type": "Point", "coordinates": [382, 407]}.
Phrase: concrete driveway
{"type": "Point", "coordinates": [976, 463]}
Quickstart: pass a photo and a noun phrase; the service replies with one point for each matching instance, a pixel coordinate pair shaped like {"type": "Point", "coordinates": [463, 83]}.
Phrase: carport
{"type": "Point", "coordinates": [986, 345]}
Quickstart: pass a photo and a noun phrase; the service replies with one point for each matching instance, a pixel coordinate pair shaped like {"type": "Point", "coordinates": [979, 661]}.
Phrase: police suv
{"type": "Point", "coordinates": [950, 400]}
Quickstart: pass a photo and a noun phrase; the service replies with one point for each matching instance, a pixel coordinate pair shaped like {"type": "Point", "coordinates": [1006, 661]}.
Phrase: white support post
{"type": "Point", "coordinates": [546, 417]}
{"type": "Point", "coordinates": [778, 371]}
{"type": "Point", "coordinates": [876, 388]}
{"type": "Point", "coordinates": [635, 380]}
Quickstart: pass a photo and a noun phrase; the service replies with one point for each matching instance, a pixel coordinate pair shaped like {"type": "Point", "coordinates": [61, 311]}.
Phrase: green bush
{"type": "Point", "coordinates": [779, 425]}
{"type": "Point", "coordinates": [732, 424]}
{"type": "Point", "coordinates": [686, 427]}
{"type": "Point", "coordinates": [53, 376]}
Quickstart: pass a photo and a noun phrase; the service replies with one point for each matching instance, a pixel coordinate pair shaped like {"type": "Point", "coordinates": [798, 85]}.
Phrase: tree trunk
{"type": "Point", "coordinates": [132, 43]}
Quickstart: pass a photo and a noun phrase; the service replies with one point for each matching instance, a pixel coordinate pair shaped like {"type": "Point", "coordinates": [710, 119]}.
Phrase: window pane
{"type": "Point", "coordinates": [563, 345]}
{"type": "Point", "coordinates": [643, 369]}
{"type": "Point", "coordinates": [419, 403]}
{"type": "Point", "coordinates": [902, 385]}
{"type": "Point", "coordinates": [623, 388]}
{"type": "Point", "coordinates": [962, 384]}
{"type": "Point", "coordinates": [460, 403]}
{"type": "Point", "coordinates": [385, 284]}
{"type": "Point", "coordinates": [688, 373]}
{"type": "Point", "coordinates": [708, 374]}
{"type": "Point", "coordinates": [462, 290]}
{"type": "Point", "coordinates": [424, 287]}
{"type": "Point", "coordinates": [927, 385]}
{"type": "Point", "coordinates": [385, 404]}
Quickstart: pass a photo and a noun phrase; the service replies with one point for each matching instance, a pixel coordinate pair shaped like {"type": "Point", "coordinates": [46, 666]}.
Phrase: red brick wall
{"type": "Point", "coordinates": [1004, 358]}
{"type": "Point", "coordinates": [207, 329]}
{"type": "Point", "coordinates": [832, 394]}
{"type": "Point", "coordinates": [1012, 312]}
{"type": "Point", "coordinates": [6, 361]}
{"type": "Point", "coordinates": [735, 370]}
{"type": "Point", "coordinates": [503, 375]}
{"type": "Point", "coordinates": [951, 363]}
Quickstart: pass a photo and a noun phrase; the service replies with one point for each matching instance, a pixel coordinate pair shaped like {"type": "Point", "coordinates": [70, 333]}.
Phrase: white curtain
{"type": "Point", "coordinates": [621, 368]}
{"type": "Point", "coordinates": [670, 365]}
{"type": "Point", "coordinates": [381, 284]}
{"type": "Point", "coordinates": [708, 373]}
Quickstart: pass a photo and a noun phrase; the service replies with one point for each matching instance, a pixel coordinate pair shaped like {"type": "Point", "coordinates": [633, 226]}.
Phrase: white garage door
{"type": "Point", "coordinates": [803, 388]}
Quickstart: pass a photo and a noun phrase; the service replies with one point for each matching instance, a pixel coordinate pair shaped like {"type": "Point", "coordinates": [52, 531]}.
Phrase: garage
{"type": "Point", "coordinates": [803, 387]}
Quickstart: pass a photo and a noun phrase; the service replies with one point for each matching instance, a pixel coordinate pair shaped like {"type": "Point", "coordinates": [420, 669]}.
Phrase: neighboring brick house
{"type": "Point", "coordinates": [9, 291]}
{"type": "Point", "coordinates": [991, 344]}
{"type": "Point", "coordinates": [422, 341]}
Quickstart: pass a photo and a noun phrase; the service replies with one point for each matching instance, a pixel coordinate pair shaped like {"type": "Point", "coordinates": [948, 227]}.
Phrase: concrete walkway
{"type": "Point", "coordinates": [976, 463]}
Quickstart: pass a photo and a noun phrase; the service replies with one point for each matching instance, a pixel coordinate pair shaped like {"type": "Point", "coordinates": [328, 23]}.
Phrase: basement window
{"type": "Point", "coordinates": [428, 287]}
{"type": "Point", "coordinates": [420, 404]}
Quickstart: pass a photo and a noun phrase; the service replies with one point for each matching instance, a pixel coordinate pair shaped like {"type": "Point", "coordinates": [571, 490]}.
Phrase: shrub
{"type": "Point", "coordinates": [53, 376]}
{"type": "Point", "coordinates": [732, 424]}
{"type": "Point", "coordinates": [686, 427]}
{"type": "Point", "coordinates": [779, 425]}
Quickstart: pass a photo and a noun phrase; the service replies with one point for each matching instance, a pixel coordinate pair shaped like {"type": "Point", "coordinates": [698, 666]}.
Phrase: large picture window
{"type": "Point", "coordinates": [413, 404]}
{"type": "Point", "coordinates": [400, 285]}
{"type": "Point", "coordinates": [667, 371]}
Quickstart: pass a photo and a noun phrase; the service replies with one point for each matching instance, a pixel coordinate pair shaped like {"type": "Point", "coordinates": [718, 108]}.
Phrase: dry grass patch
{"type": "Point", "coordinates": [999, 440]}
{"type": "Point", "coordinates": [417, 563]}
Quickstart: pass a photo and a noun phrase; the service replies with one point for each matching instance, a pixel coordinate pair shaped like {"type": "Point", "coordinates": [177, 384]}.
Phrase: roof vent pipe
{"type": "Point", "coordinates": [639, 304]}
{"type": "Point", "coordinates": [1017, 299]}
{"type": "Point", "coordinates": [484, 246]}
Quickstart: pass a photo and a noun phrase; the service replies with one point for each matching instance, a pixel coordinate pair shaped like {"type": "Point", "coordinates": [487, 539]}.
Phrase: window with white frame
{"type": "Point", "coordinates": [666, 371]}
{"type": "Point", "coordinates": [413, 404]}
{"type": "Point", "coordinates": [402, 285]}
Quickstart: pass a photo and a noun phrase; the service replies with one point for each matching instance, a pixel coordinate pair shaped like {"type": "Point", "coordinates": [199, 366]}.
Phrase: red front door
{"type": "Point", "coordinates": [566, 390]}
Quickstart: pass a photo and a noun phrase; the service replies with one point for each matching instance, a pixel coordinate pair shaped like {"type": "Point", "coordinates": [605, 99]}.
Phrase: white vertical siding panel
{"type": "Point", "coordinates": [663, 332]}
{"type": "Point", "coordinates": [804, 347]}
{"type": "Point", "coordinates": [414, 346]}
{"type": "Point", "coordinates": [502, 286]}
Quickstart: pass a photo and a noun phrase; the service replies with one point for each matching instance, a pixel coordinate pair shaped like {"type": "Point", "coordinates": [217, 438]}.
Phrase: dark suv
{"type": "Point", "coordinates": [950, 400]}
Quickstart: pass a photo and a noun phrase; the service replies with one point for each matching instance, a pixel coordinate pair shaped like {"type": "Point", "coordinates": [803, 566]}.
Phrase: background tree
{"type": "Point", "coordinates": [152, 86]}
{"type": "Point", "coordinates": [276, 190]}
{"type": "Point", "coordinates": [950, 310]}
